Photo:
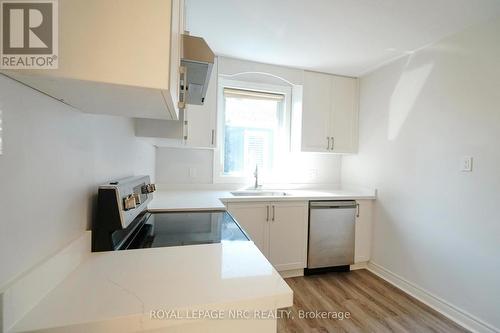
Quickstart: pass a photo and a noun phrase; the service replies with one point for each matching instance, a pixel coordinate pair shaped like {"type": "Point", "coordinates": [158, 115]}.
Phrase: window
{"type": "Point", "coordinates": [254, 130]}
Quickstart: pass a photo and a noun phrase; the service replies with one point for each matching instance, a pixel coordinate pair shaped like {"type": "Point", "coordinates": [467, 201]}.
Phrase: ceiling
{"type": "Point", "coordinates": [347, 37]}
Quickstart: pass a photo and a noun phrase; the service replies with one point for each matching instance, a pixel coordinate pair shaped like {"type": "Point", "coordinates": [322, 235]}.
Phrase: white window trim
{"type": "Point", "coordinates": [218, 175]}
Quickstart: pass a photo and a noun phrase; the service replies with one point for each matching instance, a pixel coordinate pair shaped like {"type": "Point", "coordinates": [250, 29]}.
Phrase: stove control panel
{"type": "Point", "coordinates": [119, 203]}
{"type": "Point", "coordinates": [129, 202]}
{"type": "Point", "coordinates": [133, 195]}
{"type": "Point", "coordinates": [149, 188]}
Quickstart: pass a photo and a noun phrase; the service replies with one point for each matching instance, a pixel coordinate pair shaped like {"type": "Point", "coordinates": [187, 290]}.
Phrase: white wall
{"type": "Point", "coordinates": [436, 226]}
{"type": "Point", "coordinates": [54, 157]}
{"type": "Point", "coordinates": [184, 166]}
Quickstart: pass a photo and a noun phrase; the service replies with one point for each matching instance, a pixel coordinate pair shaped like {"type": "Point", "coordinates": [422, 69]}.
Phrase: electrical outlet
{"type": "Point", "coordinates": [466, 164]}
{"type": "Point", "coordinates": [312, 174]}
{"type": "Point", "coordinates": [193, 172]}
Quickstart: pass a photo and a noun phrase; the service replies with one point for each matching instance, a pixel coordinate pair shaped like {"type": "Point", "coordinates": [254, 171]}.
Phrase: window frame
{"type": "Point", "coordinates": [218, 161]}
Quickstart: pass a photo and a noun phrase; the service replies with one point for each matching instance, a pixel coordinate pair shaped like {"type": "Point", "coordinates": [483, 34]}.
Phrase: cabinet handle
{"type": "Point", "coordinates": [267, 213]}
{"type": "Point", "coordinates": [328, 144]}
{"type": "Point", "coordinates": [274, 213]}
{"type": "Point", "coordinates": [333, 142]}
{"type": "Point", "coordinates": [183, 93]}
{"type": "Point", "coordinates": [213, 137]}
{"type": "Point", "coordinates": [357, 209]}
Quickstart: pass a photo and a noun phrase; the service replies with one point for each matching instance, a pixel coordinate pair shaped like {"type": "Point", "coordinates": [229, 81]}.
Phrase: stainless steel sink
{"type": "Point", "coordinates": [259, 193]}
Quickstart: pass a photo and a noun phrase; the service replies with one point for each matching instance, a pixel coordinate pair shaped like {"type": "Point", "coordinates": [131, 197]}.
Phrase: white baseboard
{"type": "Point", "coordinates": [454, 313]}
{"type": "Point", "coordinates": [291, 273]}
{"type": "Point", "coordinates": [359, 265]}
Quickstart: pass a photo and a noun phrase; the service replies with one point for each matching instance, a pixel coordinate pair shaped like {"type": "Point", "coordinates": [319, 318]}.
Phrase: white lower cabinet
{"type": "Point", "coordinates": [253, 217]}
{"type": "Point", "coordinates": [363, 231]}
{"type": "Point", "coordinates": [288, 235]}
{"type": "Point", "coordinates": [278, 229]}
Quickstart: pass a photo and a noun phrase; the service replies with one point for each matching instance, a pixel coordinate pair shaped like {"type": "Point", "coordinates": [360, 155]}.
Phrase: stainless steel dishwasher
{"type": "Point", "coordinates": [331, 236]}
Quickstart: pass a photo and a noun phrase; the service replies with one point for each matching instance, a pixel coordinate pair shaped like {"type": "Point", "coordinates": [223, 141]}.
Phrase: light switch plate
{"type": "Point", "coordinates": [466, 164]}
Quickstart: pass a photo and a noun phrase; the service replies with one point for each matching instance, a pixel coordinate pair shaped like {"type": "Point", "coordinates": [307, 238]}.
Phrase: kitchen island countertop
{"type": "Point", "coordinates": [117, 291]}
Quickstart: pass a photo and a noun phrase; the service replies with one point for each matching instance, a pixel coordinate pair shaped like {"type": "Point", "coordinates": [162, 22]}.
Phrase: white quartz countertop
{"type": "Point", "coordinates": [179, 200]}
{"type": "Point", "coordinates": [116, 291]}
{"type": "Point", "coordinates": [187, 200]}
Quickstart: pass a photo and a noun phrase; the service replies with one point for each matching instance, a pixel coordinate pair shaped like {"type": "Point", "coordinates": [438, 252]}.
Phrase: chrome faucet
{"type": "Point", "coordinates": [256, 175]}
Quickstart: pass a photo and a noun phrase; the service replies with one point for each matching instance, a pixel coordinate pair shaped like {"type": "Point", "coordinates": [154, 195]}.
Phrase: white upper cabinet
{"type": "Point", "coordinates": [201, 120]}
{"type": "Point", "coordinates": [119, 57]}
{"type": "Point", "coordinates": [197, 127]}
{"type": "Point", "coordinates": [316, 111]}
{"type": "Point", "coordinates": [329, 114]}
{"type": "Point", "coordinates": [344, 120]}
{"type": "Point", "coordinates": [174, 70]}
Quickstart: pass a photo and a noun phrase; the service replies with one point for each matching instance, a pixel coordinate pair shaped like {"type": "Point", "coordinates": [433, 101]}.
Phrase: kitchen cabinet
{"type": "Point", "coordinates": [283, 240]}
{"type": "Point", "coordinates": [329, 114]}
{"type": "Point", "coordinates": [196, 127]}
{"type": "Point", "coordinates": [201, 120]}
{"type": "Point", "coordinates": [363, 231]}
{"type": "Point", "coordinates": [279, 229]}
{"type": "Point", "coordinates": [253, 217]}
{"type": "Point", "coordinates": [288, 235]}
{"type": "Point", "coordinates": [316, 111]}
{"type": "Point", "coordinates": [119, 57]}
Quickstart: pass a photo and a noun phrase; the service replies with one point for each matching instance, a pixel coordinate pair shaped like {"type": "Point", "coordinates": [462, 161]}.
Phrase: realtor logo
{"type": "Point", "coordinates": [29, 34]}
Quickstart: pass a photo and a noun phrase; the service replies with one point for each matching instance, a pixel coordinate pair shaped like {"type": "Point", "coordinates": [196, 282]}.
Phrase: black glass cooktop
{"type": "Point", "coordinates": [187, 228]}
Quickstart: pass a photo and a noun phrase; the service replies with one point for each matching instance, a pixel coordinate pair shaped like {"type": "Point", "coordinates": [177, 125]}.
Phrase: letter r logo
{"type": "Point", "coordinates": [27, 27]}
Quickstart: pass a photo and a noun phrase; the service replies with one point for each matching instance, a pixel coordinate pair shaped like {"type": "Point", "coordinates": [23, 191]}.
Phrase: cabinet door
{"type": "Point", "coordinates": [201, 119]}
{"type": "Point", "coordinates": [177, 29]}
{"type": "Point", "coordinates": [316, 112]}
{"type": "Point", "coordinates": [288, 235]}
{"type": "Point", "coordinates": [344, 120]}
{"type": "Point", "coordinates": [124, 63]}
{"type": "Point", "coordinates": [363, 230]}
{"type": "Point", "coordinates": [252, 217]}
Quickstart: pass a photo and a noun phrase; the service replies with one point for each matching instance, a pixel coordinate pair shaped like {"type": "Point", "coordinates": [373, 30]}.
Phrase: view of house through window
{"type": "Point", "coordinates": [253, 123]}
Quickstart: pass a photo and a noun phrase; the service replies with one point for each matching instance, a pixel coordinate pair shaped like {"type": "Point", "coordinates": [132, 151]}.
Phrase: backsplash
{"type": "Point", "coordinates": [195, 166]}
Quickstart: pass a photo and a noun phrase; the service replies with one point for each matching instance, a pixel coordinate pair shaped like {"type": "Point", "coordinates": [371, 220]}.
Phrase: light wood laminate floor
{"type": "Point", "coordinates": [374, 306]}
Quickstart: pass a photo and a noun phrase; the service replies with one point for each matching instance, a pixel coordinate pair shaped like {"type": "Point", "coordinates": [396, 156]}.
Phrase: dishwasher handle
{"type": "Point", "coordinates": [332, 204]}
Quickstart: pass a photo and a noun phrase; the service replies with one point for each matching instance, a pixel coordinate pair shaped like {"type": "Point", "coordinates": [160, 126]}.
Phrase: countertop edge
{"type": "Point", "coordinates": [295, 198]}
{"type": "Point", "coordinates": [282, 297]}
{"type": "Point", "coordinates": [211, 200]}
{"type": "Point", "coordinates": [189, 209]}
{"type": "Point", "coordinates": [143, 321]}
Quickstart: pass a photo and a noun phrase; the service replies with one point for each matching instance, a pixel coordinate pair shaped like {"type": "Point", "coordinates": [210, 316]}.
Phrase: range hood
{"type": "Point", "coordinates": [198, 59]}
